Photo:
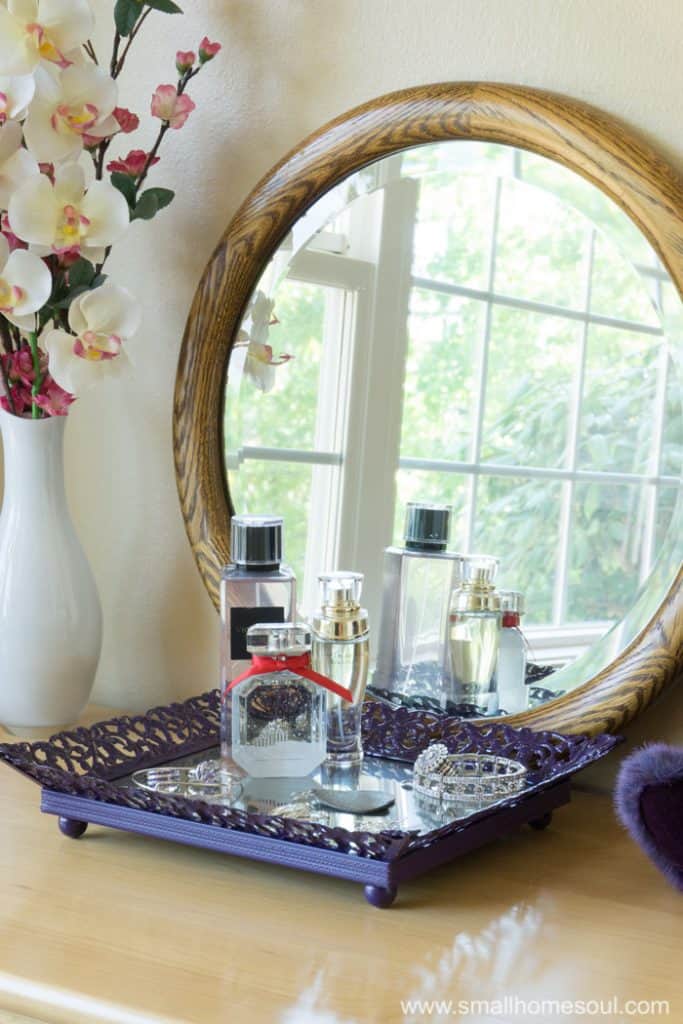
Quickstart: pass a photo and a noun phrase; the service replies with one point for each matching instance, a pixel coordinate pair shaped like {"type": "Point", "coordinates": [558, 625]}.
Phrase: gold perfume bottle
{"type": "Point", "coordinates": [474, 635]}
{"type": "Point", "coordinates": [341, 651]}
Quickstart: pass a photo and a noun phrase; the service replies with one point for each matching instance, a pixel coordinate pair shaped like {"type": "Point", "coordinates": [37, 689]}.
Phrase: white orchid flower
{"type": "Point", "coordinates": [25, 285]}
{"type": "Point", "coordinates": [102, 321]}
{"type": "Point", "coordinates": [67, 218]}
{"type": "Point", "coordinates": [77, 103]}
{"type": "Point", "coordinates": [16, 164]}
{"type": "Point", "coordinates": [16, 92]}
{"type": "Point", "coordinates": [259, 362]}
{"type": "Point", "coordinates": [32, 31]}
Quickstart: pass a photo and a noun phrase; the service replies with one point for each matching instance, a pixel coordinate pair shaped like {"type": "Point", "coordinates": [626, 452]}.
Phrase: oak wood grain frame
{"type": "Point", "coordinates": [589, 142]}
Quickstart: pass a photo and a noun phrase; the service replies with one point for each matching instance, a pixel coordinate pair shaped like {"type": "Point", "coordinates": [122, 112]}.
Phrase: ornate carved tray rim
{"type": "Point", "coordinates": [87, 761]}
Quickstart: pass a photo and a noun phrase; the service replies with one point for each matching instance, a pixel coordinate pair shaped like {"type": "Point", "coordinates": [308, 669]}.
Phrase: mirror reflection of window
{"type": "Point", "coordinates": [484, 328]}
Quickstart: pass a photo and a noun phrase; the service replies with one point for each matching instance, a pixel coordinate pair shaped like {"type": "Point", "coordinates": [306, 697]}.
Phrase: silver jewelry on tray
{"type": "Point", "coordinates": [445, 777]}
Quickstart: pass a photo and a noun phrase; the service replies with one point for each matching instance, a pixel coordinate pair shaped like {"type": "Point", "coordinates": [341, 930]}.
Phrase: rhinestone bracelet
{"type": "Point", "coordinates": [443, 776]}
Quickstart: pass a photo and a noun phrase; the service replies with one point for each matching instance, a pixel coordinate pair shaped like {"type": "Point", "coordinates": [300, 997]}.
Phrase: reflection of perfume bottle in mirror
{"type": "Point", "coordinates": [418, 580]}
{"type": "Point", "coordinates": [513, 693]}
{"type": "Point", "coordinates": [255, 588]}
{"type": "Point", "coordinates": [341, 651]}
{"type": "Point", "coordinates": [473, 631]}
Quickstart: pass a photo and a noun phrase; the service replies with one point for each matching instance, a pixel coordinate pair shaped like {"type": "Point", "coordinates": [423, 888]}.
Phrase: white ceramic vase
{"type": "Point", "coordinates": [50, 613]}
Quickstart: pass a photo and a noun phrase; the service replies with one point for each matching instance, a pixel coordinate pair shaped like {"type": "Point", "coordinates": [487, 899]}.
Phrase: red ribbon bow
{"type": "Point", "coordinates": [298, 663]}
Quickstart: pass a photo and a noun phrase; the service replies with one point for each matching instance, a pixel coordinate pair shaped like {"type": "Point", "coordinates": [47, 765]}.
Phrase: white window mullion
{"type": "Point", "coordinates": [560, 587]}
{"type": "Point", "coordinates": [481, 375]}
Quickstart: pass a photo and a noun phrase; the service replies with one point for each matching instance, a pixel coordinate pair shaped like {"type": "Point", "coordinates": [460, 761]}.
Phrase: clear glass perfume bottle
{"type": "Point", "coordinates": [474, 632]}
{"type": "Point", "coordinates": [418, 580]}
{"type": "Point", "coordinates": [341, 651]}
{"type": "Point", "coordinates": [278, 713]}
{"type": "Point", "coordinates": [255, 588]}
{"type": "Point", "coordinates": [513, 693]}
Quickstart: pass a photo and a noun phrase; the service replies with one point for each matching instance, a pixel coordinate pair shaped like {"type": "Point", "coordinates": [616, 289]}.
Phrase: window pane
{"type": "Point", "coordinates": [617, 411]}
{"type": "Point", "coordinates": [518, 522]}
{"type": "Point", "coordinates": [532, 360]}
{"type": "Point", "coordinates": [617, 290]}
{"type": "Point", "coordinates": [672, 435]}
{"type": "Point", "coordinates": [541, 247]}
{"type": "Point", "coordinates": [666, 504]}
{"type": "Point", "coordinates": [284, 417]}
{"type": "Point", "coordinates": [281, 488]}
{"type": "Point", "coordinates": [605, 546]}
{"type": "Point", "coordinates": [593, 203]}
{"type": "Point", "coordinates": [453, 229]}
{"type": "Point", "coordinates": [438, 395]}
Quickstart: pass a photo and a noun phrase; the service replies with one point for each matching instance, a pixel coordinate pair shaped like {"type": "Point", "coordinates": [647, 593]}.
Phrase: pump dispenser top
{"type": "Point", "coordinates": [340, 616]}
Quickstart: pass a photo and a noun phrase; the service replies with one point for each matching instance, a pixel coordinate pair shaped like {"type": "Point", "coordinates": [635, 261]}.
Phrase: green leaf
{"type": "Point", "coordinates": [126, 186]}
{"type": "Point", "coordinates": [151, 201]}
{"type": "Point", "coordinates": [81, 273]}
{"type": "Point", "coordinates": [167, 6]}
{"type": "Point", "coordinates": [65, 303]}
{"type": "Point", "coordinates": [126, 14]}
{"type": "Point", "coordinates": [97, 281]}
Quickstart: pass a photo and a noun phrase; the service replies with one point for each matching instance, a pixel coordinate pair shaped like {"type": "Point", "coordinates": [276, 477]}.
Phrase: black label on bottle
{"type": "Point", "coordinates": [240, 621]}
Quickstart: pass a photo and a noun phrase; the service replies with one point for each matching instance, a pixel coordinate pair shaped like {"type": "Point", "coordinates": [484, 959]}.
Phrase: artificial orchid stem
{"type": "Point", "coordinates": [36, 412]}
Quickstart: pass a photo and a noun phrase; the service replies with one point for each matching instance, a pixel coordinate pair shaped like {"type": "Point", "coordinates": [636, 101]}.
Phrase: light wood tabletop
{"type": "Point", "coordinates": [122, 928]}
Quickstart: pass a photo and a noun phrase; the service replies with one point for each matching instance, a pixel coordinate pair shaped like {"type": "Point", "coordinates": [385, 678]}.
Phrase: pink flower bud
{"type": "Point", "coordinates": [133, 165]}
{"type": "Point", "coordinates": [184, 61]}
{"type": "Point", "coordinates": [128, 122]}
{"type": "Point", "coordinates": [170, 106]}
{"type": "Point", "coordinates": [208, 50]}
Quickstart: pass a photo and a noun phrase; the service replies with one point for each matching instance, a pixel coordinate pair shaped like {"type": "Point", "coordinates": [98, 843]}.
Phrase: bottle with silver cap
{"type": "Point", "coordinates": [278, 707]}
{"type": "Point", "coordinates": [474, 633]}
{"type": "Point", "coordinates": [513, 694]}
{"type": "Point", "coordinates": [341, 651]}
{"type": "Point", "coordinates": [255, 588]}
{"type": "Point", "coordinates": [418, 580]}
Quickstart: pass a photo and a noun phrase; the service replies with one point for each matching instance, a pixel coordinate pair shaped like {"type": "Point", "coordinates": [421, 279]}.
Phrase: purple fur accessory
{"type": "Point", "coordinates": [649, 802]}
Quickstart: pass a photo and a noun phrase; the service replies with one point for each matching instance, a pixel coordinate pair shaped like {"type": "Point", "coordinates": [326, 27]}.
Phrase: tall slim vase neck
{"type": "Point", "coordinates": [33, 456]}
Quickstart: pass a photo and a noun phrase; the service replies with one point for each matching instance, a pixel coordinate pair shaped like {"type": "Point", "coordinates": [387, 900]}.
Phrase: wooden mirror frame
{"type": "Point", "coordinates": [593, 144]}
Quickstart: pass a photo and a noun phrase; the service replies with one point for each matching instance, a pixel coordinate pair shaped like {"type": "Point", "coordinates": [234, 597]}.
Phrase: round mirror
{"type": "Point", "coordinates": [462, 321]}
{"type": "Point", "coordinates": [472, 324]}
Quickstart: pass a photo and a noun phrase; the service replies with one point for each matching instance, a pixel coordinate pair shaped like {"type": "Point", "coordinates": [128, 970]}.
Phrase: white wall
{"type": "Point", "coordinates": [287, 67]}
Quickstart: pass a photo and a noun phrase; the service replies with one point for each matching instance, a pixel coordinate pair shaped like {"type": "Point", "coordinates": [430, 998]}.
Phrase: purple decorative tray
{"type": "Point", "coordinates": [85, 777]}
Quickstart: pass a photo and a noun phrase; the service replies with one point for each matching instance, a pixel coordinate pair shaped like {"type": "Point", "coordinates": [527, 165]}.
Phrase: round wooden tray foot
{"type": "Point", "coordinates": [540, 823]}
{"type": "Point", "coordinates": [72, 828]}
{"type": "Point", "coordinates": [380, 896]}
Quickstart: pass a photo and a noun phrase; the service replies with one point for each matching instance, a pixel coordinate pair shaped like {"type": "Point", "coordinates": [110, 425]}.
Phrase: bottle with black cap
{"type": "Point", "coordinates": [255, 588]}
{"type": "Point", "coordinates": [418, 580]}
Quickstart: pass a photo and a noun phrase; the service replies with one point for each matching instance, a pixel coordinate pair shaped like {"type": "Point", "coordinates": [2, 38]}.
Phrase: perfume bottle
{"type": "Point", "coordinates": [513, 694]}
{"type": "Point", "coordinates": [279, 704]}
{"type": "Point", "coordinates": [341, 651]}
{"type": "Point", "coordinates": [418, 580]}
{"type": "Point", "coordinates": [473, 632]}
{"type": "Point", "coordinates": [255, 588]}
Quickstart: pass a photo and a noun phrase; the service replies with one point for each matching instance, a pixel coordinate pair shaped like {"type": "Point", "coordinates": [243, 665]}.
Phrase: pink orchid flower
{"type": "Point", "coordinates": [128, 122]}
{"type": "Point", "coordinates": [53, 400]}
{"type": "Point", "coordinates": [184, 61]}
{"type": "Point", "coordinates": [208, 50]}
{"type": "Point", "coordinates": [171, 106]}
{"type": "Point", "coordinates": [133, 165]}
{"type": "Point", "coordinates": [21, 400]}
{"type": "Point", "coordinates": [12, 240]}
